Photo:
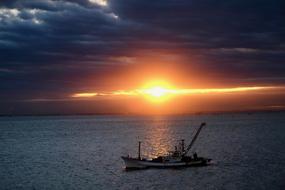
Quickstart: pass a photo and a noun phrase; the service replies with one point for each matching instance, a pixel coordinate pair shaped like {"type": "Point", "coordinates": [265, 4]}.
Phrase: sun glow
{"type": "Point", "coordinates": [84, 95]}
{"type": "Point", "coordinates": [160, 91]}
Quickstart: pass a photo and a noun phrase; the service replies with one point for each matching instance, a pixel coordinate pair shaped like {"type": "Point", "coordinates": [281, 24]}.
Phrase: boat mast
{"type": "Point", "coordinates": [182, 145]}
{"type": "Point", "coordinates": [139, 151]}
{"type": "Point", "coordinates": [194, 139]}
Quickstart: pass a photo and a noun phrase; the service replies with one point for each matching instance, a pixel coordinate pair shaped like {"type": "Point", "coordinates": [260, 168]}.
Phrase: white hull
{"type": "Point", "coordinates": [134, 163]}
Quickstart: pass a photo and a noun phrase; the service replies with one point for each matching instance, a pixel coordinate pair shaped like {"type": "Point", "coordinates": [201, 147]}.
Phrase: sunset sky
{"type": "Point", "coordinates": [141, 56]}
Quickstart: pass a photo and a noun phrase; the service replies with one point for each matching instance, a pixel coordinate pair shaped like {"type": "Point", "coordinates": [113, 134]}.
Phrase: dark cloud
{"type": "Point", "coordinates": [47, 45]}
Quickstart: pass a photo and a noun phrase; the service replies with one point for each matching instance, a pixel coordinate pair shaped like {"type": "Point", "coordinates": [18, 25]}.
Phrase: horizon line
{"type": "Point", "coordinates": [151, 114]}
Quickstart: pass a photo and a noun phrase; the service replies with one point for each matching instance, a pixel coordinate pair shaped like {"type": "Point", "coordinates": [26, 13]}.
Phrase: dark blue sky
{"type": "Point", "coordinates": [50, 49]}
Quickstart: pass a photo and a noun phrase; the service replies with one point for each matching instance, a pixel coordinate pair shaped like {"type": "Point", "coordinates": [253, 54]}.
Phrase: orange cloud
{"type": "Point", "coordinates": [164, 91]}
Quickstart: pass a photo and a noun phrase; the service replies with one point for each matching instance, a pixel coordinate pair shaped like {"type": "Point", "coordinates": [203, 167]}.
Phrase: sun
{"type": "Point", "coordinates": [156, 94]}
{"type": "Point", "coordinates": [156, 91]}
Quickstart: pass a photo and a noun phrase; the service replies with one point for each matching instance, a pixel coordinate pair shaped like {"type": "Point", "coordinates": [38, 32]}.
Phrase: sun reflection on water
{"type": "Point", "coordinates": [158, 135]}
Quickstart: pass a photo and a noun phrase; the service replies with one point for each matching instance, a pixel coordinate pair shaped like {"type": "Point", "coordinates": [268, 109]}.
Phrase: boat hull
{"type": "Point", "coordinates": [134, 163]}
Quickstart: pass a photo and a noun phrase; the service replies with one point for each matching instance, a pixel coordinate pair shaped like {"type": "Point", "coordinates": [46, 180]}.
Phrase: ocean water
{"type": "Point", "coordinates": [83, 152]}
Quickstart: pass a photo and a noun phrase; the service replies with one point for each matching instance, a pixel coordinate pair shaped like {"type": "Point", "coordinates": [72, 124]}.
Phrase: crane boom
{"type": "Point", "coordinates": [194, 139]}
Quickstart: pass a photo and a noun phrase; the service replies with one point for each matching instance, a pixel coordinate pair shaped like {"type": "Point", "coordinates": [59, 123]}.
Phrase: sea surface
{"type": "Point", "coordinates": [84, 152]}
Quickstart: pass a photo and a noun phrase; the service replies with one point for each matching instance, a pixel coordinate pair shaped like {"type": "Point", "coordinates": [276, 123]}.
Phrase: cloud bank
{"type": "Point", "coordinates": [55, 47]}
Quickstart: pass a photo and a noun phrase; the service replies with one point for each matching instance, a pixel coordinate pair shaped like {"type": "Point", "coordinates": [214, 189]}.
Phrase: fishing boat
{"type": "Point", "coordinates": [176, 158]}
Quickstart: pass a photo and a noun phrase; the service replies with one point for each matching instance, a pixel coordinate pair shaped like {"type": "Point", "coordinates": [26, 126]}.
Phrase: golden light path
{"type": "Point", "coordinates": [162, 92]}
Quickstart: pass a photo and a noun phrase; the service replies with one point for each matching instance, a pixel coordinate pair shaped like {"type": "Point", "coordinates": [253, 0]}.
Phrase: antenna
{"type": "Point", "coordinates": [139, 151]}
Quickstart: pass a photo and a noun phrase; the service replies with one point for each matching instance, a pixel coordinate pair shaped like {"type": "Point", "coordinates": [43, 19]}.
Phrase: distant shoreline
{"type": "Point", "coordinates": [138, 114]}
